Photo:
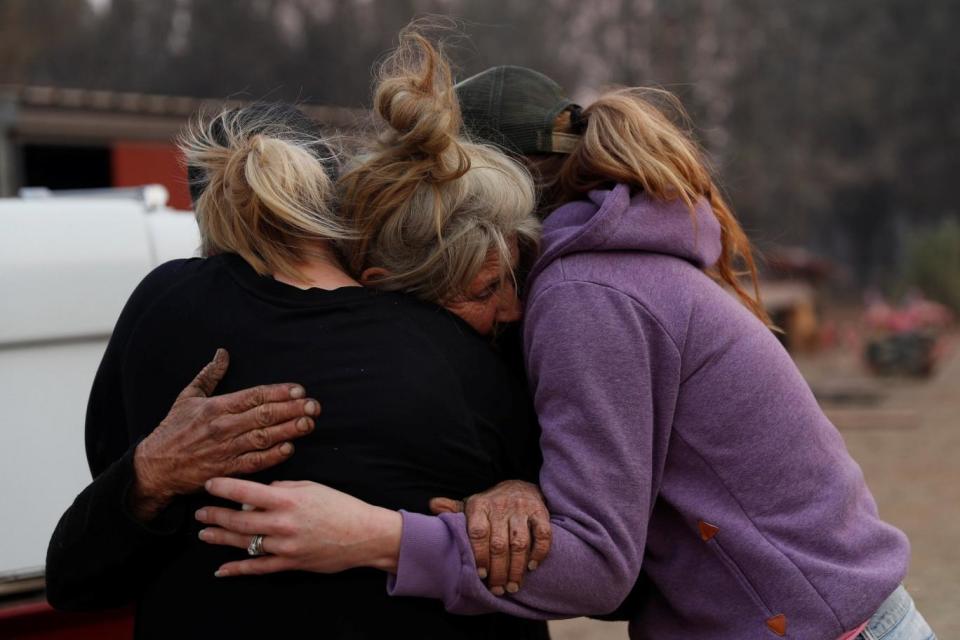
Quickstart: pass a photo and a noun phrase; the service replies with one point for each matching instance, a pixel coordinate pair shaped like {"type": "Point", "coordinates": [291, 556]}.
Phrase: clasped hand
{"type": "Point", "coordinates": [311, 527]}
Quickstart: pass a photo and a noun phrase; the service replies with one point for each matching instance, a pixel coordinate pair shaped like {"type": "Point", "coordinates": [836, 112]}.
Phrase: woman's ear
{"type": "Point", "coordinates": [371, 275]}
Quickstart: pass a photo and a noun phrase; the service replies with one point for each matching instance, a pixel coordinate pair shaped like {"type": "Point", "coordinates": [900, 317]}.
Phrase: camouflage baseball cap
{"type": "Point", "coordinates": [515, 108]}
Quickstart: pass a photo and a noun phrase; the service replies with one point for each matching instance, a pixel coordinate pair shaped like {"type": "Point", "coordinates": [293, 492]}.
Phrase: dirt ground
{"type": "Point", "coordinates": [906, 436]}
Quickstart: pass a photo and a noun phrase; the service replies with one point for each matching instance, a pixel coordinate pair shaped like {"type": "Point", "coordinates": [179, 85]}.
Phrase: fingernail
{"type": "Point", "coordinates": [482, 573]}
{"type": "Point", "coordinates": [513, 587]}
{"type": "Point", "coordinates": [533, 565]}
{"type": "Point", "coordinates": [497, 591]}
{"type": "Point", "coordinates": [304, 425]}
{"type": "Point", "coordinates": [312, 407]}
{"type": "Point", "coordinates": [286, 448]}
{"type": "Point", "coordinates": [201, 514]}
{"type": "Point", "coordinates": [208, 485]}
{"type": "Point", "coordinates": [247, 507]}
{"type": "Point", "coordinates": [203, 534]}
{"type": "Point", "coordinates": [297, 392]}
{"type": "Point", "coordinates": [219, 574]}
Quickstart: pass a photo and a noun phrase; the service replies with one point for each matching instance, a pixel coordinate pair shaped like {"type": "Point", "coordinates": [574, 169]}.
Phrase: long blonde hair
{"type": "Point", "coordinates": [626, 138]}
{"type": "Point", "coordinates": [429, 205]}
{"type": "Point", "coordinates": [263, 183]}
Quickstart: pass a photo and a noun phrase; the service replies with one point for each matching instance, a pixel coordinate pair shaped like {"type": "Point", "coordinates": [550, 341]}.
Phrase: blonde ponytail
{"type": "Point", "coordinates": [627, 139]}
{"type": "Point", "coordinates": [264, 186]}
{"type": "Point", "coordinates": [430, 206]}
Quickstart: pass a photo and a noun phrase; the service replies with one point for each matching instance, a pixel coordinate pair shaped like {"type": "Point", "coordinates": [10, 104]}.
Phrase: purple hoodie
{"type": "Point", "coordinates": [681, 447]}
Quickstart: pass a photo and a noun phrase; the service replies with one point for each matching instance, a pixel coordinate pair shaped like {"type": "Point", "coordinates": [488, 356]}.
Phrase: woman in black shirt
{"type": "Point", "coordinates": [416, 402]}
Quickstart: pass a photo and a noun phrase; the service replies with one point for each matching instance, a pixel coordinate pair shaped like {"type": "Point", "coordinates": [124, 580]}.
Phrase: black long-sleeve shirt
{"type": "Point", "coordinates": [415, 405]}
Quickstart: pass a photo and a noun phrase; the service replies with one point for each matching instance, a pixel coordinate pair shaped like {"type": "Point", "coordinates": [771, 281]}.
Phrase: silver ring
{"type": "Point", "coordinates": [255, 548]}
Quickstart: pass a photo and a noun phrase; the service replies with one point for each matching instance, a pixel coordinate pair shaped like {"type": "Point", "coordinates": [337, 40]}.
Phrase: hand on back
{"type": "Point", "coordinates": [205, 436]}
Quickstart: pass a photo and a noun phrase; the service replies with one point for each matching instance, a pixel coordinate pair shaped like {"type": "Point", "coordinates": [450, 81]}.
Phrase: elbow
{"type": "Point", "coordinates": [73, 598]}
{"type": "Point", "coordinates": [609, 599]}
{"type": "Point", "coordinates": [55, 590]}
{"type": "Point", "coordinates": [610, 586]}
{"type": "Point", "coordinates": [56, 601]}
{"type": "Point", "coordinates": [63, 590]}
{"type": "Point", "coordinates": [59, 595]}
{"type": "Point", "coordinates": [603, 563]}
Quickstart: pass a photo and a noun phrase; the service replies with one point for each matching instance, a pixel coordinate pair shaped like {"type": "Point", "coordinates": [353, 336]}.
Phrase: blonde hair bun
{"type": "Point", "coordinates": [431, 207]}
{"type": "Point", "coordinates": [262, 178]}
{"type": "Point", "coordinates": [415, 98]}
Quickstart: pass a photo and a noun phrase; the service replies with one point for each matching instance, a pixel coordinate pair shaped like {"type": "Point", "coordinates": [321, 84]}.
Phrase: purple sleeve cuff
{"type": "Point", "coordinates": [430, 560]}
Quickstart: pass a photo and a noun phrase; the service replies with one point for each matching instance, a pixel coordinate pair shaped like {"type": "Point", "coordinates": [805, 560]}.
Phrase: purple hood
{"type": "Point", "coordinates": [612, 220]}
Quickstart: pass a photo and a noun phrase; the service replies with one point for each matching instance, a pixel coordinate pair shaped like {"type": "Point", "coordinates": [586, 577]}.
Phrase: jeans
{"type": "Point", "coordinates": [897, 619]}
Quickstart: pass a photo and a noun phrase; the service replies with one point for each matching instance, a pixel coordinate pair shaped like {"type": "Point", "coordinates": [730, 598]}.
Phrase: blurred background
{"type": "Point", "coordinates": [834, 128]}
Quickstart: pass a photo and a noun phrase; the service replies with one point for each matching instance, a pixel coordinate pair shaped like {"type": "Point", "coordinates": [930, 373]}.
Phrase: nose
{"type": "Point", "coordinates": [510, 309]}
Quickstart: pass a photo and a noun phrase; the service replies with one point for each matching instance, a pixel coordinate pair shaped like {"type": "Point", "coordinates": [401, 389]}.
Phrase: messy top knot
{"type": "Point", "coordinates": [262, 182]}
{"type": "Point", "coordinates": [430, 206]}
{"type": "Point", "coordinates": [415, 100]}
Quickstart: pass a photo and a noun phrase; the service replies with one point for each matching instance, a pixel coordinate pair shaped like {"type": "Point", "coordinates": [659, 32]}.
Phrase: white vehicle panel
{"type": "Point", "coordinates": [67, 267]}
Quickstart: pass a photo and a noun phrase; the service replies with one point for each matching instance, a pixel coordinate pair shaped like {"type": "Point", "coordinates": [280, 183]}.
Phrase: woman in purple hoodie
{"type": "Point", "coordinates": [691, 475]}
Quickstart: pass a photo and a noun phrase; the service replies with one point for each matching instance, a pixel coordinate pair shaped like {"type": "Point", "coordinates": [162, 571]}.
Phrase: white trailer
{"type": "Point", "coordinates": [67, 266]}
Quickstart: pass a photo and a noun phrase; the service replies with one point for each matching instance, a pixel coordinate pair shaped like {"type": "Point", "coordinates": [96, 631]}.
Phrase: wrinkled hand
{"type": "Point", "coordinates": [305, 526]}
{"type": "Point", "coordinates": [204, 437]}
{"type": "Point", "coordinates": [500, 522]}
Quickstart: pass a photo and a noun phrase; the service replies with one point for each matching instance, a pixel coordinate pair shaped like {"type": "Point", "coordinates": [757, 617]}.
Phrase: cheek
{"type": "Point", "coordinates": [479, 315]}
{"type": "Point", "coordinates": [510, 298]}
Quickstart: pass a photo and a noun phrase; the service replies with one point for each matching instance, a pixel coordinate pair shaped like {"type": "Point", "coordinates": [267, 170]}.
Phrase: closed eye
{"type": "Point", "coordinates": [489, 291]}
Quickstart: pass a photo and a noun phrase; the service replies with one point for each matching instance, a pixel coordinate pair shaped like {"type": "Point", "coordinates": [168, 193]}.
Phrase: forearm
{"type": "Point", "coordinates": [577, 578]}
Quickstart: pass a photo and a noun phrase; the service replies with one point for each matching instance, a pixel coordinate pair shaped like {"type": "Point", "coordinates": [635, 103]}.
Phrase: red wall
{"type": "Point", "coordinates": [138, 163]}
